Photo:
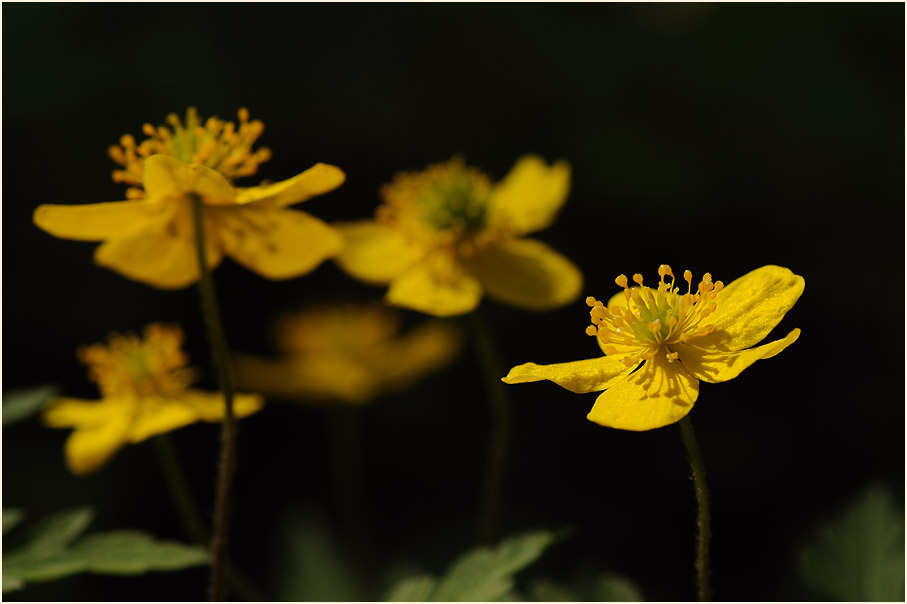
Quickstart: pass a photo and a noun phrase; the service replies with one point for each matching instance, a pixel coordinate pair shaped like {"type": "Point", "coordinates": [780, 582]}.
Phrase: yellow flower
{"type": "Point", "coordinates": [674, 340]}
{"type": "Point", "coordinates": [347, 353]}
{"type": "Point", "coordinates": [144, 386]}
{"type": "Point", "coordinates": [150, 238]}
{"type": "Point", "coordinates": [446, 235]}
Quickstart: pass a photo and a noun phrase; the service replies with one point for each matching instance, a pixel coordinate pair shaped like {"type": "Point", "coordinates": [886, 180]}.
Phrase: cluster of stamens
{"type": "Point", "coordinates": [219, 145]}
{"type": "Point", "coordinates": [653, 319]}
{"type": "Point", "coordinates": [130, 366]}
{"type": "Point", "coordinates": [444, 206]}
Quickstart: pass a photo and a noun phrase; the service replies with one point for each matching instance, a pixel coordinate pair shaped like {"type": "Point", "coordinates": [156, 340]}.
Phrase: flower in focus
{"type": "Point", "coordinates": [446, 235]}
{"type": "Point", "coordinates": [151, 238]}
{"type": "Point", "coordinates": [347, 353]}
{"type": "Point", "coordinates": [659, 343]}
{"type": "Point", "coordinates": [144, 386]}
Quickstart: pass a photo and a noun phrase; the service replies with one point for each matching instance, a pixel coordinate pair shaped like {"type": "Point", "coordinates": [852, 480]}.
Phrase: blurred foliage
{"type": "Point", "coordinates": [858, 555]}
{"type": "Point", "coordinates": [587, 586]}
{"type": "Point", "coordinates": [52, 549]}
{"type": "Point", "coordinates": [19, 405]}
{"type": "Point", "coordinates": [481, 575]}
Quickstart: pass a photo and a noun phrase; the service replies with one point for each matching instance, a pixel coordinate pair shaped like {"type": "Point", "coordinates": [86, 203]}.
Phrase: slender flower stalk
{"type": "Point", "coordinates": [500, 429]}
{"type": "Point", "coordinates": [702, 502]}
{"type": "Point", "coordinates": [219, 353]}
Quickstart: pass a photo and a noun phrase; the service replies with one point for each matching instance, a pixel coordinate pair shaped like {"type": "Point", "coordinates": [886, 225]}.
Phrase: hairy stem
{"type": "Point", "coordinates": [218, 343]}
{"type": "Point", "coordinates": [702, 501]}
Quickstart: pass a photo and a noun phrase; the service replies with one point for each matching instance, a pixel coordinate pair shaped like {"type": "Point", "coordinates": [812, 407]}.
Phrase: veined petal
{"type": "Point", "coordinates": [276, 243]}
{"type": "Point", "coordinates": [166, 176]}
{"type": "Point", "coordinates": [436, 285]}
{"type": "Point", "coordinates": [162, 254]}
{"type": "Point", "coordinates": [720, 366]}
{"type": "Point", "coordinates": [750, 307]}
{"type": "Point", "coordinates": [92, 445]}
{"type": "Point", "coordinates": [159, 416]}
{"type": "Point", "coordinates": [96, 221]}
{"type": "Point", "coordinates": [660, 393]}
{"type": "Point", "coordinates": [590, 375]}
{"type": "Point", "coordinates": [374, 253]}
{"type": "Point", "coordinates": [317, 180]}
{"type": "Point", "coordinates": [528, 198]}
{"type": "Point", "coordinates": [526, 273]}
{"type": "Point", "coordinates": [209, 406]}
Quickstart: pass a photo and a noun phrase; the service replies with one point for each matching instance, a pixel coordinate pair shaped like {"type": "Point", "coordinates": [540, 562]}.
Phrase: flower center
{"type": "Point", "coordinates": [217, 144]}
{"type": "Point", "coordinates": [653, 319]}
{"type": "Point", "coordinates": [445, 205]}
{"type": "Point", "coordinates": [129, 366]}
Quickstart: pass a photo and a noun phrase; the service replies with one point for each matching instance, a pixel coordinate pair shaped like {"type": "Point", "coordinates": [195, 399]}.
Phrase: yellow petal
{"type": "Point", "coordinates": [71, 412]}
{"type": "Point", "coordinates": [437, 286]}
{"type": "Point", "coordinates": [660, 393]}
{"type": "Point", "coordinates": [159, 416]}
{"type": "Point", "coordinates": [424, 349]}
{"type": "Point", "coordinates": [720, 366]}
{"type": "Point", "coordinates": [591, 375]}
{"type": "Point", "coordinates": [96, 221]}
{"type": "Point", "coordinates": [526, 273]}
{"type": "Point", "coordinates": [317, 180]}
{"type": "Point", "coordinates": [276, 243]}
{"type": "Point", "coordinates": [315, 378]}
{"type": "Point", "coordinates": [209, 406]}
{"type": "Point", "coordinates": [92, 445]}
{"type": "Point", "coordinates": [528, 198]}
{"type": "Point", "coordinates": [374, 253]}
{"type": "Point", "coordinates": [162, 254]}
{"type": "Point", "coordinates": [166, 177]}
{"type": "Point", "coordinates": [750, 307]}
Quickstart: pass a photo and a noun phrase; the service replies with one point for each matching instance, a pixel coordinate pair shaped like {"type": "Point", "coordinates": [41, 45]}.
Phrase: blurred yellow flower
{"type": "Point", "coordinates": [446, 235]}
{"type": "Point", "coordinates": [150, 238]}
{"type": "Point", "coordinates": [347, 353]}
{"type": "Point", "coordinates": [674, 340]}
{"type": "Point", "coordinates": [144, 386]}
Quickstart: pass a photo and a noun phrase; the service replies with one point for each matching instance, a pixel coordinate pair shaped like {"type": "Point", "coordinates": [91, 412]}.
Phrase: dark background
{"type": "Point", "coordinates": [712, 137]}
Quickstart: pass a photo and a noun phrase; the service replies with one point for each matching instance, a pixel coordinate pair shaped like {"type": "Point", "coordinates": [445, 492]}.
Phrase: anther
{"type": "Point", "coordinates": [590, 301]}
{"type": "Point", "coordinates": [591, 330]}
{"type": "Point", "coordinates": [621, 280]}
{"type": "Point", "coordinates": [638, 279]}
{"type": "Point", "coordinates": [673, 356]}
{"type": "Point", "coordinates": [688, 277]}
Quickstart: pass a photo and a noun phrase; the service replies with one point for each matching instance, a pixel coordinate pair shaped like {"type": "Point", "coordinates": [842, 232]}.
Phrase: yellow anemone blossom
{"type": "Point", "coordinates": [151, 238]}
{"type": "Point", "coordinates": [659, 343]}
{"type": "Point", "coordinates": [347, 353]}
{"type": "Point", "coordinates": [446, 235]}
{"type": "Point", "coordinates": [144, 386]}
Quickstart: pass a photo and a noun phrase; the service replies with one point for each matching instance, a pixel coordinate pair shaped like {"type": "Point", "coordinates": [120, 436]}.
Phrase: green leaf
{"type": "Point", "coordinates": [19, 405]}
{"type": "Point", "coordinates": [546, 590]}
{"type": "Point", "coordinates": [413, 589]}
{"type": "Point", "coordinates": [481, 575]}
{"type": "Point", "coordinates": [11, 583]}
{"type": "Point", "coordinates": [485, 574]}
{"type": "Point", "coordinates": [53, 550]}
{"type": "Point", "coordinates": [610, 587]}
{"type": "Point", "coordinates": [11, 519]}
{"type": "Point", "coordinates": [313, 567]}
{"type": "Point", "coordinates": [858, 555]}
{"type": "Point", "coordinates": [53, 534]}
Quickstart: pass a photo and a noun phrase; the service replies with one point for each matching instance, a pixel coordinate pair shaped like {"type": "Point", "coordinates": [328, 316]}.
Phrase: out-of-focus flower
{"type": "Point", "coordinates": [674, 340]}
{"type": "Point", "coordinates": [144, 386]}
{"type": "Point", "coordinates": [347, 353]}
{"type": "Point", "coordinates": [446, 235]}
{"type": "Point", "coordinates": [151, 238]}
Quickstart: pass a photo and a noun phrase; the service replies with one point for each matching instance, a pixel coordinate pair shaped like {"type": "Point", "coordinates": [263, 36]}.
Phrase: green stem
{"type": "Point", "coordinates": [191, 519]}
{"type": "Point", "coordinates": [500, 429]}
{"type": "Point", "coordinates": [702, 500]}
{"type": "Point", "coordinates": [218, 342]}
{"type": "Point", "coordinates": [179, 489]}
